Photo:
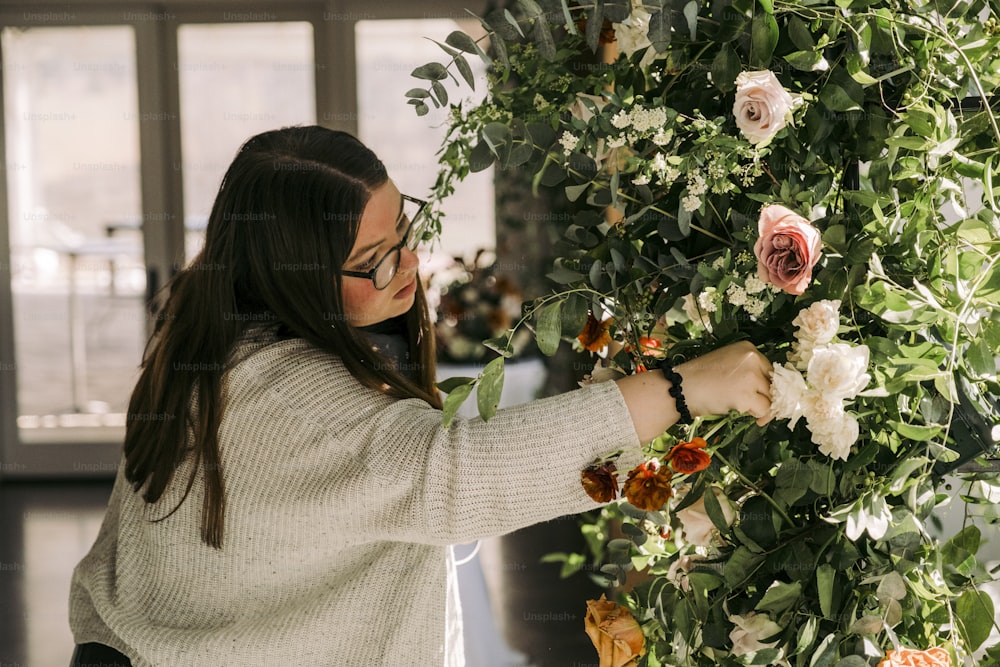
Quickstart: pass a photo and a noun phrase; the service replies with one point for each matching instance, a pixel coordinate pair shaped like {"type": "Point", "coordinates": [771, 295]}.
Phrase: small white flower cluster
{"type": "Point", "coordinates": [568, 141]}
{"type": "Point", "coordinates": [642, 121]}
{"type": "Point", "coordinates": [834, 373]}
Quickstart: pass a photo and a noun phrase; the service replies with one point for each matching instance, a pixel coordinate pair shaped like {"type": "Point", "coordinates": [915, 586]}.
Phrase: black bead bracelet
{"type": "Point", "coordinates": [677, 392]}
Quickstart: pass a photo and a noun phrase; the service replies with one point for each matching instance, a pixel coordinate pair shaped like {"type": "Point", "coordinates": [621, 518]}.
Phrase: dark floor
{"type": "Point", "coordinates": [517, 611]}
{"type": "Point", "coordinates": [44, 530]}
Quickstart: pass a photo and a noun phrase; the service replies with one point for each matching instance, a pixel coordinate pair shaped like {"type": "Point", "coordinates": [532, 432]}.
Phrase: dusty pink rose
{"type": "Point", "coordinates": [787, 249]}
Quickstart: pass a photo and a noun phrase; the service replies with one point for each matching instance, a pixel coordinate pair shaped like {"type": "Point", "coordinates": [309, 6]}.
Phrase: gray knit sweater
{"type": "Point", "coordinates": [340, 504]}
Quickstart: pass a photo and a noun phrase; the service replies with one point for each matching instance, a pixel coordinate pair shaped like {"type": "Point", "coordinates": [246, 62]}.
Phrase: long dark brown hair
{"type": "Point", "coordinates": [291, 197]}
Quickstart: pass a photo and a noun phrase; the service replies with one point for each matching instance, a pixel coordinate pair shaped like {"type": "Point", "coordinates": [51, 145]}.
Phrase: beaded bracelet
{"type": "Point", "coordinates": [677, 392]}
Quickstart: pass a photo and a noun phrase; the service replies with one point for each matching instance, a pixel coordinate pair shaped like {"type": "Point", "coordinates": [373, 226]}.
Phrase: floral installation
{"type": "Point", "coordinates": [818, 178]}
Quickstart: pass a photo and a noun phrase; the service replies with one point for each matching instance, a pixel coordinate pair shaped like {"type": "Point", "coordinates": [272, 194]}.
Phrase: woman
{"type": "Point", "coordinates": [288, 493]}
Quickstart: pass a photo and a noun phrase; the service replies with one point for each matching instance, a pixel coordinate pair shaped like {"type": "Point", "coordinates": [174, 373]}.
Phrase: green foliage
{"type": "Point", "coordinates": [890, 150]}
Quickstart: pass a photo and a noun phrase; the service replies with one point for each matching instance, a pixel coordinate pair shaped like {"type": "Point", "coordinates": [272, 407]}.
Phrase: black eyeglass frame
{"type": "Point", "coordinates": [421, 205]}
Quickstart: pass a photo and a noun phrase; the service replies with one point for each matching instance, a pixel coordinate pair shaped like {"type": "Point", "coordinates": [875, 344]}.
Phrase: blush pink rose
{"type": "Point", "coordinates": [787, 249]}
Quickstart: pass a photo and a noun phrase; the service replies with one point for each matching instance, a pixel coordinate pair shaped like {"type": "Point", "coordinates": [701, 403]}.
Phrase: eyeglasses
{"type": "Point", "coordinates": [384, 270]}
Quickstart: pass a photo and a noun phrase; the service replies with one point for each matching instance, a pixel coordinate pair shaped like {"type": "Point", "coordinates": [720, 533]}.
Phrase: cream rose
{"type": "Point", "coordinates": [787, 249]}
{"type": "Point", "coordinates": [834, 437]}
{"type": "Point", "coordinates": [819, 322]}
{"type": "Point", "coordinates": [750, 631]}
{"type": "Point", "coordinates": [695, 522]}
{"type": "Point", "coordinates": [762, 106]}
{"type": "Point", "coordinates": [788, 391]}
{"type": "Point", "coordinates": [838, 370]}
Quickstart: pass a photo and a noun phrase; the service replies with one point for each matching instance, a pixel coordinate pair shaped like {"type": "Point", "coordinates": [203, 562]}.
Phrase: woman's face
{"type": "Point", "coordinates": [382, 226]}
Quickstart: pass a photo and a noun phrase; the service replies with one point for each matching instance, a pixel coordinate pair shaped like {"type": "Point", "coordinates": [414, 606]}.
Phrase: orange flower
{"type": "Point", "coordinates": [687, 457]}
{"type": "Point", "coordinates": [595, 336]}
{"type": "Point", "coordinates": [648, 485]}
{"type": "Point", "coordinates": [651, 347]}
{"type": "Point", "coordinates": [600, 481]}
{"type": "Point", "coordinates": [909, 657]}
{"type": "Point", "coordinates": [615, 633]}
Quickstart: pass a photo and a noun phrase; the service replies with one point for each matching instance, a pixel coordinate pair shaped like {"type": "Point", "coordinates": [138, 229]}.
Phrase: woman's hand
{"type": "Point", "coordinates": [735, 377]}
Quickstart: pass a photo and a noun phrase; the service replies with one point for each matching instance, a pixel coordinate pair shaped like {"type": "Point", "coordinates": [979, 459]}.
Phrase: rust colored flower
{"type": "Point", "coordinates": [600, 481]}
{"type": "Point", "coordinates": [651, 347]}
{"type": "Point", "coordinates": [615, 633]}
{"type": "Point", "coordinates": [687, 457]}
{"type": "Point", "coordinates": [595, 336]}
{"type": "Point", "coordinates": [648, 485]}
{"type": "Point", "coordinates": [909, 657]}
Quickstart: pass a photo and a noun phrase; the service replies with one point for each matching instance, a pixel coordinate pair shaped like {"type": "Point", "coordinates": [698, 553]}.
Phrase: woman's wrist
{"type": "Point", "coordinates": [676, 391]}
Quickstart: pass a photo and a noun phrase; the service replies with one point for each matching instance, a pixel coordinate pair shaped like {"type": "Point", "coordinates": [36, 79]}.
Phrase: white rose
{"type": "Point", "coordinates": [749, 632]}
{"type": "Point", "coordinates": [835, 436]}
{"type": "Point", "coordinates": [762, 106]}
{"type": "Point", "coordinates": [801, 354]}
{"type": "Point", "coordinates": [695, 522]}
{"type": "Point", "coordinates": [788, 391]}
{"type": "Point", "coordinates": [631, 34]}
{"type": "Point", "coordinates": [819, 322]}
{"type": "Point", "coordinates": [838, 370]}
{"type": "Point", "coordinates": [695, 313]}
{"type": "Point", "coordinates": [580, 110]}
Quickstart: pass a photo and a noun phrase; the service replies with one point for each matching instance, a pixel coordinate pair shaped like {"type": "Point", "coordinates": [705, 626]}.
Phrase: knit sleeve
{"type": "Point", "coordinates": [476, 478]}
{"type": "Point", "coordinates": [387, 468]}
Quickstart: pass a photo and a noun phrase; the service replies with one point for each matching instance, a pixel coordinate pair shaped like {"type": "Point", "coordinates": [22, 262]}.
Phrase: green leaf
{"type": "Point", "coordinates": [714, 510]}
{"type": "Point", "coordinates": [807, 61]}
{"type": "Point", "coordinates": [792, 481]}
{"type": "Point", "coordinates": [449, 385]}
{"type": "Point", "coordinates": [439, 92]}
{"type": "Point", "coordinates": [725, 68]}
{"type": "Point", "coordinates": [799, 33]}
{"type": "Point", "coordinates": [454, 402]}
{"type": "Point", "coordinates": [981, 359]}
{"type": "Point", "coordinates": [826, 652]}
{"type": "Point", "coordinates": [489, 389]}
{"type": "Point", "coordinates": [595, 22]}
{"type": "Point", "coordinates": [852, 661]}
{"type": "Point", "coordinates": [779, 597]}
{"type": "Point", "coordinates": [466, 71]}
{"type": "Point", "coordinates": [462, 41]}
{"type": "Point", "coordinates": [659, 30]}
{"type": "Point", "coordinates": [763, 39]}
{"type": "Point", "coordinates": [741, 565]}
{"type": "Point", "coordinates": [974, 611]}
{"type": "Point", "coordinates": [548, 327]}
{"type": "Point", "coordinates": [913, 431]}
{"type": "Point", "coordinates": [836, 98]}
{"type": "Point", "coordinates": [430, 72]}
{"type": "Point", "coordinates": [826, 576]}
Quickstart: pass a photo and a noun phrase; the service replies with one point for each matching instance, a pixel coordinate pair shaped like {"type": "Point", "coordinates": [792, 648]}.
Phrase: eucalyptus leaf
{"type": "Point", "coordinates": [490, 387]}
{"type": "Point", "coordinates": [453, 402]}
{"type": "Point", "coordinates": [548, 327]}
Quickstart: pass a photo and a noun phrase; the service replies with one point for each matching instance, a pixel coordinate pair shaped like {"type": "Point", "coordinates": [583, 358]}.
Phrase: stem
{"type": "Point", "coordinates": [743, 478]}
